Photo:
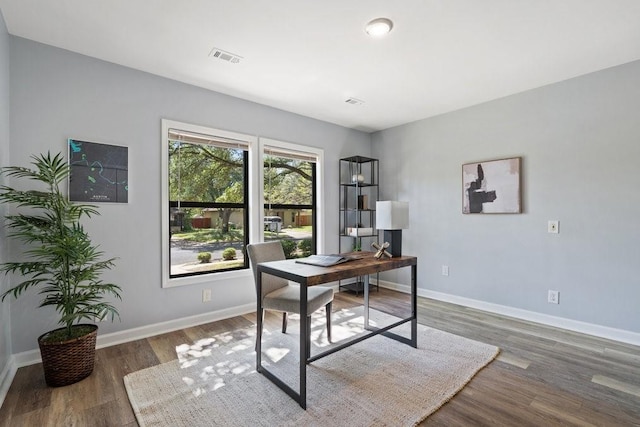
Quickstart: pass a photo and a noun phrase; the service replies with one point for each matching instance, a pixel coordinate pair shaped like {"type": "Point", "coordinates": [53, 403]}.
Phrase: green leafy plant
{"type": "Point", "coordinates": [60, 260]}
{"type": "Point", "coordinates": [305, 247]}
{"type": "Point", "coordinates": [229, 254]}
{"type": "Point", "coordinates": [290, 248]}
{"type": "Point", "coordinates": [204, 257]}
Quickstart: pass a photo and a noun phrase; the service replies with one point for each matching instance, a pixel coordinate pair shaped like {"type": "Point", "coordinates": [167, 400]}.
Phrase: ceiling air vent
{"type": "Point", "coordinates": [225, 56]}
{"type": "Point", "coordinates": [354, 101]}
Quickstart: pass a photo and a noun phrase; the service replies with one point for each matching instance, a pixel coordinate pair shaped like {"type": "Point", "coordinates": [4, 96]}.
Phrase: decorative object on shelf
{"type": "Point", "coordinates": [382, 250]}
{"type": "Point", "coordinates": [491, 187]}
{"type": "Point", "coordinates": [61, 263]}
{"type": "Point", "coordinates": [393, 217]}
{"type": "Point", "coordinates": [357, 178]}
{"type": "Point", "coordinates": [363, 202]}
{"type": "Point", "coordinates": [360, 231]}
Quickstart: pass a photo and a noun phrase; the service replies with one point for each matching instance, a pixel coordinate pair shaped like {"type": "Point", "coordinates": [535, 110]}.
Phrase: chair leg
{"type": "Point", "coordinates": [259, 333]}
{"type": "Point", "coordinates": [328, 310]}
{"type": "Point", "coordinates": [284, 322]}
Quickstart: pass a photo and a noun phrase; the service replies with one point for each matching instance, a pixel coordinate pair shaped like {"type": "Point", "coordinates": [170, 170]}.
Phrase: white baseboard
{"type": "Point", "coordinates": [621, 335]}
{"type": "Point", "coordinates": [31, 357]}
{"type": "Point", "coordinates": [6, 378]}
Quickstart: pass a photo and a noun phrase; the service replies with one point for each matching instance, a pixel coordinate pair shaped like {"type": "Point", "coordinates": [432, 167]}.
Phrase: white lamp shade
{"type": "Point", "coordinates": [391, 215]}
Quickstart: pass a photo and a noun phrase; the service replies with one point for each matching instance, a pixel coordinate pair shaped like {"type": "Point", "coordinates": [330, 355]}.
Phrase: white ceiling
{"type": "Point", "coordinates": [309, 56]}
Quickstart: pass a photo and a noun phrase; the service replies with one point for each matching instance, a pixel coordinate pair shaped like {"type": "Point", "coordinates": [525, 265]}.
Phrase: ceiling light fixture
{"type": "Point", "coordinates": [379, 27]}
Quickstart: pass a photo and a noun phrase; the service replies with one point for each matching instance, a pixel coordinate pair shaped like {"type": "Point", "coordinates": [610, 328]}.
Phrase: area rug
{"type": "Point", "coordinates": [378, 381]}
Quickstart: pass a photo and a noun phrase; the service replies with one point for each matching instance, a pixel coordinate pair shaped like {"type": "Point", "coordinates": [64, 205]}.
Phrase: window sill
{"type": "Point", "coordinates": [208, 278]}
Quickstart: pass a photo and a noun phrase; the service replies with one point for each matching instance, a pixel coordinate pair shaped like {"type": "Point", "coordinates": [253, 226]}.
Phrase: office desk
{"type": "Point", "coordinates": [363, 264]}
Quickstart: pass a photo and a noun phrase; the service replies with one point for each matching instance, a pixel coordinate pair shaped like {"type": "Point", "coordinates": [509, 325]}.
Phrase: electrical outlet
{"type": "Point", "coordinates": [553, 297]}
{"type": "Point", "coordinates": [445, 270]}
{"type": "Point", "coordinates": [553, 227]}
{"type": "Point", "coordinates": [206, 295]}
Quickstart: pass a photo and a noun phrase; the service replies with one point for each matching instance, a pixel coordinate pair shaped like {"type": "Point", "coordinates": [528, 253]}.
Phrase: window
{"type": "Point", "coordinates": [291, 194]}
{"type": "Point", "coordinates": [206, 219]}
{"type": "Point", "coordinates": [212, 182]}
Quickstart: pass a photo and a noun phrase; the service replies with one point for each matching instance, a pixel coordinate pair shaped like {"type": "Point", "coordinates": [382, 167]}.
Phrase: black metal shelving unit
{"type": "Point", "coordinates": [359, 191]}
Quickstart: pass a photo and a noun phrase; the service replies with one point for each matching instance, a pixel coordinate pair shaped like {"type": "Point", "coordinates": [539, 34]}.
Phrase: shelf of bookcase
{"type": "Point", "coordinates": [357, 287]}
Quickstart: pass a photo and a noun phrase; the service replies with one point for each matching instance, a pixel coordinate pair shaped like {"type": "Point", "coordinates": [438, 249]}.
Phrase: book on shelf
{"type": "Point", "coordinates": [323, 260]}
{"type": "Point", "coordinates": [363, 202]}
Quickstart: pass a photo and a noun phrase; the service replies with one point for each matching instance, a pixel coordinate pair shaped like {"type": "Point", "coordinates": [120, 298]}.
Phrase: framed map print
{"type": "Point", "coordinates": [99, 172]}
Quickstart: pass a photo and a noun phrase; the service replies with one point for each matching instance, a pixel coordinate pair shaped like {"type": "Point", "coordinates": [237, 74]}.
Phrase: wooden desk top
{"type": "Point", "coordinates": [362, 263]}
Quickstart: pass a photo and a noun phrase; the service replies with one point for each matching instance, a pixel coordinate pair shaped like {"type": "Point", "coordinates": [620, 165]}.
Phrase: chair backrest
{"type": "Point", "coordinates": [264, 252]}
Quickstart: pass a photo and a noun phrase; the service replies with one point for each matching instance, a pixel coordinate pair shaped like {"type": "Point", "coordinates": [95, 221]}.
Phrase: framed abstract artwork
{"type": "Point", "coordinates": [491, 186]}
{"type": "Point", "coordinates": [99, 172]}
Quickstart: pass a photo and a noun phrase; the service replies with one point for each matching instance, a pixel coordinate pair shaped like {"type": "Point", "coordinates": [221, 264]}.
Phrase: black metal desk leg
{"type": "Point", "coordinates": [366, 301]}
{"type": "Point", "coordinates": [305, 344]}
{"type": "Point", "coordinates": [414, 306]}
{"type": "Point", "coordinates": [259, 320]}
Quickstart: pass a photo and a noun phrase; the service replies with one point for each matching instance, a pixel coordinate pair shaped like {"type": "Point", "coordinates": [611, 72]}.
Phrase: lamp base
{"type": "Point", "coordinates": [394, 237]}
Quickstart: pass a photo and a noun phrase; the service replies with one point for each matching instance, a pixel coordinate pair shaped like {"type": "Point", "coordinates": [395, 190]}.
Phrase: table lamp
{"type": "Point", "coordinates": [392, 217]}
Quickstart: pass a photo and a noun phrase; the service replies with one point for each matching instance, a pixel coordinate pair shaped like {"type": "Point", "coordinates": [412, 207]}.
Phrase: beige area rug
{"type": "Point", "coordinates": [378, 381]}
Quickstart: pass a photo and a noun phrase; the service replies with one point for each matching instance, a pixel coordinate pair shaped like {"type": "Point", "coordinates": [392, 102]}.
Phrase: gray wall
{"type": "Point", "coordinates": [5, 341]}
{"type": "Point", "coordinates": [580, 145]}
{"type": "Point", "coordinates": [56, 94]}
{"type": "Point", "coordinates": [579, 140]}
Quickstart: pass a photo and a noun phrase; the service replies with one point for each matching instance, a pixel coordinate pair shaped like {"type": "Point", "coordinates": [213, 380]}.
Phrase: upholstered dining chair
{"type": "Point", "coordinates": [278, 294]}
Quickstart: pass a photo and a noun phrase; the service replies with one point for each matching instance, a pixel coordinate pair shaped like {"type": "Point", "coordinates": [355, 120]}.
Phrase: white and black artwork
{"type": "Point", "coordinates": [491, 186]}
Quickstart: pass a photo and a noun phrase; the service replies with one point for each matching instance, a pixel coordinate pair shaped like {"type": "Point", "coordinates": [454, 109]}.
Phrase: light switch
{"type": "Point", "coordinates": [553, 227]}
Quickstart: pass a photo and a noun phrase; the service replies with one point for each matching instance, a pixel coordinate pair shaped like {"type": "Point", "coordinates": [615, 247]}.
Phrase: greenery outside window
{"type": "Point", "coordinates": [291, 185]}
{"type": "Point", "coordinates": [290, 198]}
{"type": "Point", "coordinates": [212, 181]}
{"type": "Point", "coordinates": [206, 209]}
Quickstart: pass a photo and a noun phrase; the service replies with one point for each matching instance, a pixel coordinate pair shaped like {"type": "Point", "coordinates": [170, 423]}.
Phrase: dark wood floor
{"type": "Point", "coordinates": [543, 377]}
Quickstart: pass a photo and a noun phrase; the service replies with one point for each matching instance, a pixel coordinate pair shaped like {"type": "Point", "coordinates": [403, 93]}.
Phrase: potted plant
{"type": "Point", "coordinates": [62, 263]}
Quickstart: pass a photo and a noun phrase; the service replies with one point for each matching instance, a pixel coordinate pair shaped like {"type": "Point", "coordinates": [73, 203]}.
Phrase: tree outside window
{"type": "Point", "coordinates": [206, 191]}
{"type": "Point", "coordinates": [208, 208]}
{"type": "Point", "coordinates": [289, 192]}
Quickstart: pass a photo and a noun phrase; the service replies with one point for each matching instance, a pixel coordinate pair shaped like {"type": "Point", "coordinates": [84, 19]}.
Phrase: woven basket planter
{"type": "Point", "coordinates": [70, 361]}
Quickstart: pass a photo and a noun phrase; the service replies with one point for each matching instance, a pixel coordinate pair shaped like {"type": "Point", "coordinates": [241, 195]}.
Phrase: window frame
{"type": "Point", "coordinates": [255, 203]}
{"type": "Point", "coordinates": [305, 150]}
{"type": "Point", "coordinates": [251, 141]}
